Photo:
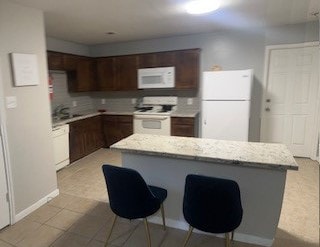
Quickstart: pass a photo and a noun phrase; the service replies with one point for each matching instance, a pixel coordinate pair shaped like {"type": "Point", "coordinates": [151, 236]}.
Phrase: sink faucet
{"type": "Point", "coordinates": [60, 111]}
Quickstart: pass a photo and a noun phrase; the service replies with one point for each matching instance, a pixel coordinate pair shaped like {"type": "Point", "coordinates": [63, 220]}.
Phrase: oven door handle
{"type": "Point", "coordinates": [151, 118]}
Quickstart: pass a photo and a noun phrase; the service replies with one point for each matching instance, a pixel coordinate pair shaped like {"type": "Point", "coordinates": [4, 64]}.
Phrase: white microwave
{"type": "Point", "coordinates": [161, 77]}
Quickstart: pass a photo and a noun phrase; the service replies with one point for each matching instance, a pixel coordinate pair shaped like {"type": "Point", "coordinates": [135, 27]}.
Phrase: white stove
{"type": "Point", "coordinates": [153, 116]}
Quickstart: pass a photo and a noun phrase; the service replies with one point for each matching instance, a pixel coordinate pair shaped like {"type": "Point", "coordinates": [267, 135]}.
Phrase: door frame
{"type": "Point", "coordinates": [6, 154]}
{"type": "Point", "coordinates": [267, 53]}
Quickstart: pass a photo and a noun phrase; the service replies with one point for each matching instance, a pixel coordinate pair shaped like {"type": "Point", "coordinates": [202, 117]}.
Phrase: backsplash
{"type": "Point", "coordinates": [114, 101]}
{"type": "Point", "coordinates": [62, 96]}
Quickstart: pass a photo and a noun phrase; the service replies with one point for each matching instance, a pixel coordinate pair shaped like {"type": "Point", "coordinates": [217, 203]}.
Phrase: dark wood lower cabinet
{"type": "Point", "coordinates": [90, 134]}
{"type": "Point", "coordinates": [85, 137]}
{"type": "Point", "coordinates": [183, 126]}
{"type": "Point", "coordinates": [116, 127]}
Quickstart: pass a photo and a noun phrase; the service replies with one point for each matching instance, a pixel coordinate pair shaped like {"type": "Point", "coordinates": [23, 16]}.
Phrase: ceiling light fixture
{"type": "Point", "coordinates": [198, 7]}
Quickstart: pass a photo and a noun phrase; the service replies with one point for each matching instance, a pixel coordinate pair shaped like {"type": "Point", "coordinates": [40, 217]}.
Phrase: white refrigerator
{"type": "Point", "coordinates": [225, 104]}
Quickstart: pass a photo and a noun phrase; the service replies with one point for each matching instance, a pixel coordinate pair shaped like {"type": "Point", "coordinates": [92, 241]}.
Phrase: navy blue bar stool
{"type": "Point", "coordinates": [212, 205]}
{"type": "Point", "coordinates": [131, 198]}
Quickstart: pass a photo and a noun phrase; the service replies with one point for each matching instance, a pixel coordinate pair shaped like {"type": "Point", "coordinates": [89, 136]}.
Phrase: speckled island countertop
{"type": "Point", "coordinates": [253, 154]}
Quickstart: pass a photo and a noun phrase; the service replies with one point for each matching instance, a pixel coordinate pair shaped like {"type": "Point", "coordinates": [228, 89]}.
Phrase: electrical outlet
{"type": "Point", "coordinates": [133, 101]}
{"type": "Point", "coordinates": [74, 103]}
{"type": "Point", "coordinates": [190, 101]}
{"type": "Point", "coordinates": [103, 101]}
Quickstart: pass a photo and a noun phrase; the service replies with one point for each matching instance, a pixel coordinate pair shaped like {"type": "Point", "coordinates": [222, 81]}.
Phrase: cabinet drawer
{"type": "Point", "coordinates": [183, 120]}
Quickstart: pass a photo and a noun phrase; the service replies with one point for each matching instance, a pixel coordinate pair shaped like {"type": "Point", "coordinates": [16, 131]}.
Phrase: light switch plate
{"type": "Point", "coordinates": [74, 103]}
{"type": "Point", "coordinates": [190, 101]}
{"type": "Point", "coordinates": [103, 101]}
{"type": "Point", "coordinates": [133, 101]}
{"type": "Point", "coordinates": [11, 102]}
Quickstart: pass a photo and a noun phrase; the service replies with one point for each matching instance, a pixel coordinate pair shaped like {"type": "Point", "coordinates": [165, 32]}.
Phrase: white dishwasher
{"type": "Point", "coordinates": [60, 136]}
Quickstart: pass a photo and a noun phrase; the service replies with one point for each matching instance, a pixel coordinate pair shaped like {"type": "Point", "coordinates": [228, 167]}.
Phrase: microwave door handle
{"type": "Point", "coordinates": [150, 118]}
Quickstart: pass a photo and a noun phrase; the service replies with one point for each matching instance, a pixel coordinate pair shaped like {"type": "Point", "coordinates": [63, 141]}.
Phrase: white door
{"type": "Point", "coordinates": [290, 99]}
{"type": "Point", "coordinates": [225, 120]}
{"type": "Point", "coordinates": [4, 204]}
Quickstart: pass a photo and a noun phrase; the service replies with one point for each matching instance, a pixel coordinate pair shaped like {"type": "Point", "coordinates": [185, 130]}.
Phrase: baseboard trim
{"type": "Point", "coordinates": [241, 237]}
{"type": "Point", "coordinates": [36, 205]}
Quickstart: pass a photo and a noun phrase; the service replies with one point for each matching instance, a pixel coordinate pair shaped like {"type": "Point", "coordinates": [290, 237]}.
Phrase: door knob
{"type": "Point", "coordinates": [267, 109]}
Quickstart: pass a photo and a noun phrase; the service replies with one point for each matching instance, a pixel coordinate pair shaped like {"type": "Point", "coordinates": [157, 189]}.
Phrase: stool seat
{"type": "Point", "coordinates": [158, 192]}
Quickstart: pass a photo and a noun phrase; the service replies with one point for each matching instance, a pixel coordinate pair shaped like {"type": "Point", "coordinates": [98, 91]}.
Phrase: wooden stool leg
{"type": "Point", "coordinates": [227, 239]}
{"type": "Point", "coordinates": [147, 231]}
{"type": "Point", "coordinates": [188, 236]}
{"type": "Point", "coordinates": [109, 234]}
{"type": "Point", "coordinates": [163, 217]}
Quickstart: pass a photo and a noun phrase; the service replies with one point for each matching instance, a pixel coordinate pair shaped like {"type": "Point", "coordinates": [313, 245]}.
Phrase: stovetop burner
{"type": "Point", "coordinates": [157, 105]}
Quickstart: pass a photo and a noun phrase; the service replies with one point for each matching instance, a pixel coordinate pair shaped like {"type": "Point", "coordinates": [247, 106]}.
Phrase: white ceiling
{"type": "Point", "coordinates": [88, 21]}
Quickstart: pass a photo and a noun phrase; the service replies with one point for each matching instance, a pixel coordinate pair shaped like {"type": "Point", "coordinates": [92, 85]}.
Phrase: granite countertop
{"type": "Point", "coordinates": [187, 113]}
{"type": "Point", "coordinates": [92, 114]}
{"type": "Point", "coordinates": [88, 115]}
{"type": "Point", "coordinates": [252, 154]}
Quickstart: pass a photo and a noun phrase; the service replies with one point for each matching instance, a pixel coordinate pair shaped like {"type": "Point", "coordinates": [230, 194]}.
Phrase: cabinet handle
{"type": "Point", "coordinates": [267, 109]}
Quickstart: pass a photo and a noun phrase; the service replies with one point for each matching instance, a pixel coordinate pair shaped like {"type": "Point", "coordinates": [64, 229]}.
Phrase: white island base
{"type": "Point", "coordinates": [261, 192]}
{"type": "Point", "coordinates": [259, 168]}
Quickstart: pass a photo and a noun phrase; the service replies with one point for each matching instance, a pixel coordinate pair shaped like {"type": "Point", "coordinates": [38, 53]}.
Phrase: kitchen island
{"type": "Point", "coordinates": [259, 169]}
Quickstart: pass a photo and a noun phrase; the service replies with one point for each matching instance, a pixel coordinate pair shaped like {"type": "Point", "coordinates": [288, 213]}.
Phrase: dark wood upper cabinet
{"type": "Point", "coordinates": [187, 69]}
{"type": "Point", "coordinates": [83, 79]}
{"type": "Point", "coordinates": [159, 59]}
{"type": "Point", "coordinates": [70, 62]}
{"type": "Point", "coordinates": [166, 59]}
{"type": "Point", "coordinates": [119, 73]}
{"type": "Point", "coordinates": [126, 72]}
{"type": "Point", "coordinates": [86, 73]}
{"type": "Point", "coordinates": [55, 60]}
{"type": "Point", "coordinates": [147, 60]}
{"type": "Point", "coordinates": [105, 74]}
{"type": "Point", "coordinates": [186, 63]}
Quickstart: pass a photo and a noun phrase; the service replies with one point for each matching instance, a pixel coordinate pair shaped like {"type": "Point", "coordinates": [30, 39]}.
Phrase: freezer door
{"type": "Point", "coordinates": [225, 120]}
{"type": "Point", "coordinates": [227, 85]}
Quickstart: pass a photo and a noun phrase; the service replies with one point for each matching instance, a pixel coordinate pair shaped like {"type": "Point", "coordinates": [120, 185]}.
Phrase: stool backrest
{"type": "Point", "coordinates": [212, 204]}
{"type": "Point", "coordinates": [129, 195]}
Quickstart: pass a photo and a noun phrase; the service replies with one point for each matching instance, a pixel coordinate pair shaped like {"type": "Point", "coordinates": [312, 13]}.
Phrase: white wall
{"type": "Point", "coordinates": [28, 125]}
{"type": "Point", "coordinates": [54, 44]}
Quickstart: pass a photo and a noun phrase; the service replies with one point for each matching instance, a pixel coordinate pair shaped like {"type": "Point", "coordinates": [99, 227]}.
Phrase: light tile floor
{"type": "Point", "coordinates": [80, 216]}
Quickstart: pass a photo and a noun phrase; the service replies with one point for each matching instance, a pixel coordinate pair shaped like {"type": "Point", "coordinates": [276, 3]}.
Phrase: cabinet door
{"type": "Point", "coordinates": [187, 69]}
{"type": "Point", "coordinates": [76, 141]}
{"type": "Point", "coordinates": [70, 61]}
{"type": "Point", "coordinates": [55, 60]}
{"type": "Point", "coordinates": [86, 75]}
{"type": "Point", "coordinates": [105, 74]}
{"type": "Point", "coordinates": [93, 134]}
{"type": "Point", "coordinates": [126, 72]}
{"type": "Point", "coordinates": [126, 126]}
{"type": "Point", "coordinates": [147, 60]}
{"type": "Point", "coordinates": [182, 126]}
{"type": "Point", "coordinates": [116, 127]}
{"type": "Point", "coordinates": [165, 59]}
{"type": "Point", "coordinates": [111, 130]}
{"type": "Point", "coordinates": [159, 59]}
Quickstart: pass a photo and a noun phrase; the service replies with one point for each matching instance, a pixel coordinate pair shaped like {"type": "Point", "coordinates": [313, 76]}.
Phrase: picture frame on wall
{"type": "Point", "coordinates": [24, 69]}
